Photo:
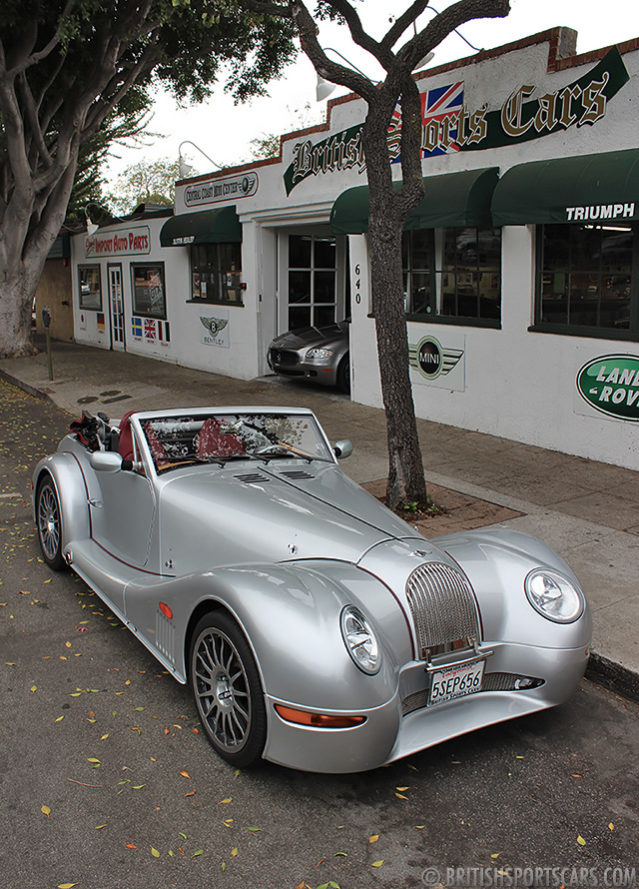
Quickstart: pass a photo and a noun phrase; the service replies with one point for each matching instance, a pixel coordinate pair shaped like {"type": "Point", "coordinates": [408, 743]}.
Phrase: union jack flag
{"type": "Point", "coordinates": [149, 328]}
{"type": "Point", "coordinates": [443, 103]}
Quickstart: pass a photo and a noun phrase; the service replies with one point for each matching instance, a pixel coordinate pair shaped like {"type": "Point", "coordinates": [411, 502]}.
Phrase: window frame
{"type": "Point", "coordinates": [631, 334]}
{"type": "Point", "coordinates": [159, 264]}
{"type": "Point", "coordinates": [438, 239]}
{"type": "Point", "coordinates": [96, 268]}
{"type": "Point", "coordinates": [220, 273]}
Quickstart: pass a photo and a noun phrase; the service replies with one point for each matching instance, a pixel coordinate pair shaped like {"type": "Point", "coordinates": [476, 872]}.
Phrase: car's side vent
{"type": "Point", "coordinates": [252, 478]}
{"type": "Point", "coordinates": [165, 636]}
{"type": "Point", "coordinates": [297, 474]}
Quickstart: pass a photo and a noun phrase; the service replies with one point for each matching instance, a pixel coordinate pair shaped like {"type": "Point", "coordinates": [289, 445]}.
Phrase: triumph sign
{"type": "Point", "coordinates": [610, 384]}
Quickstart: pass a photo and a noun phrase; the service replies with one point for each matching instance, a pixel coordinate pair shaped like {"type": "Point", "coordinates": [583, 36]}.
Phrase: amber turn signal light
{"type": "Point", "coordinates": [317, 720]}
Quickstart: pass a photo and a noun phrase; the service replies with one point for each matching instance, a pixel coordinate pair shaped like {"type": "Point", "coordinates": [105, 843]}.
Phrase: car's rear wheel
{"type": "Point", "coordinates": [227, 690]}
{"type": "Point", "coordinates": [344, 375]}
{"type": "Point", "coordinates": [49, 524]}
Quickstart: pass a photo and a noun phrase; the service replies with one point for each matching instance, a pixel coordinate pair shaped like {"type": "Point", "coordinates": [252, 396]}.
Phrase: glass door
{"type": "Point", "coordinates": [116, 302]}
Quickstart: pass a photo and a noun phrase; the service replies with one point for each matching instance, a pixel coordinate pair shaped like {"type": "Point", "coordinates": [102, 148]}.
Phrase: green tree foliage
{"type": "Point", "coordinates": [67, 69]}
{"type": "Point", "coordinates": [150, 182]}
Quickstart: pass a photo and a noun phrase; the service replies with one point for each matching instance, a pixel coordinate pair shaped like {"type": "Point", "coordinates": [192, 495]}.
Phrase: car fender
{"type": "Point", "coordinates": [70, 485]}
{"type": "Point", "coordinates": [290, 616]}
{"type": "Point", "coordinates": [496, 563]}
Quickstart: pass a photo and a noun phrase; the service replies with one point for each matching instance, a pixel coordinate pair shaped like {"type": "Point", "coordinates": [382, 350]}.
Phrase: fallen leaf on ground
{"type": "Point", "coordinates": [373, 838]}
{"type": "Point", "coordinates": [184, 773]}
{"type": "Point", "coordinates": [581, 840]}
{"type": "Point", "coordinates": [45, 810]}
{"type": "Point", "coordinates": [154, 852]}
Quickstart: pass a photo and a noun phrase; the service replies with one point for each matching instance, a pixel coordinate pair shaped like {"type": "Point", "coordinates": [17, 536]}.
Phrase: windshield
{"type": "Point", "coordinates": [219, 438]}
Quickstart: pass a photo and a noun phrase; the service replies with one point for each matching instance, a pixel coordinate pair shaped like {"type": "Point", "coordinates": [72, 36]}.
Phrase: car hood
{"type": "Point", "coordinates": [307, 337]}
{"type": "Point", "coordinates": [286, 510]}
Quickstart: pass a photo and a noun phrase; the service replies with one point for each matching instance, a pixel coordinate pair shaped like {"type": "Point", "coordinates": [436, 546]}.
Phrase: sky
{"type": "Point", "coordinates": [223, 131]}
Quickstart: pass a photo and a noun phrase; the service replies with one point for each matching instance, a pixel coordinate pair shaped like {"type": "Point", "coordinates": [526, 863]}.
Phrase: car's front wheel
{"type": "Point", "coordinates": [49, 524]}
{"type": "Point", "coordinates": [344, 375]}
{"type": "Point", "coordinates": [227, 690]}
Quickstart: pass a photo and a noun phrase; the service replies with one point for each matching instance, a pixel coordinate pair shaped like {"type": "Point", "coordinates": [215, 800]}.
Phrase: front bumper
{"type": "Point", "coordinates": [386, 735]}
{"type": "Point", "coordinates": [292, 364]}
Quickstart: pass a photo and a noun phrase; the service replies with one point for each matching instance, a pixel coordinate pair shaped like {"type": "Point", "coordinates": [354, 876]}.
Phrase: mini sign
{"type": "Point", "coordinates": [610, 384]}
{"type": "Point", "coordinates": [434, 362]}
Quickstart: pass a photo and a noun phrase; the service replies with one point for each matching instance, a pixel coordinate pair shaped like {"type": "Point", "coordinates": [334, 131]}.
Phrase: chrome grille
{"type": "Point", "coordinates": [443, 607]}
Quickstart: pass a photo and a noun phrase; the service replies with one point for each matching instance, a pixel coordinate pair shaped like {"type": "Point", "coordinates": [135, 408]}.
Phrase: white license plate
{"type": "Point", "coordinates": [455, 682]}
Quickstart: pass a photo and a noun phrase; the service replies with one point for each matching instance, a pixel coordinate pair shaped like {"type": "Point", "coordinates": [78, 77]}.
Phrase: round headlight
{"type": "Point", "coordinates": [554, 596]}
{"type": "Point", "coordinates": [318, 354]}
{"type": "Point", "coordinates": [360, 640]}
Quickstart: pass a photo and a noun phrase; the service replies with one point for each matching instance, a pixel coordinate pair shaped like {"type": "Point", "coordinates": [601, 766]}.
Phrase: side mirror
{"type": "Point", "coordinates": [106, 461]}
{"type": "Point", "coordinates": [343, 449]}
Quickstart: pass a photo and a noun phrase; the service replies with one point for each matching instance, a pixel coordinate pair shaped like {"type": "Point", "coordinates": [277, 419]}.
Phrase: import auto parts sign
{"type": "Point", "coordinates": [610, 384]}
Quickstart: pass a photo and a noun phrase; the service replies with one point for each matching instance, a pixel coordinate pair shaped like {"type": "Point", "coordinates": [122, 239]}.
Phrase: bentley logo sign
{"type": "Point", "coordinates": [610, 384]}
{"type": "Point", "coordinates": [431, 360]}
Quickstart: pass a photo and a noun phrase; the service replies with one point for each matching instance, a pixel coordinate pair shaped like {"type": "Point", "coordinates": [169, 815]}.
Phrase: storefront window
{"type": "Point", "coordinates": [149, 296]}
{"type": "Point", "coordinates": [453, 273]}
{"type": "Point", "coordinates": [216, 272]}
{"type": "Point", "coordinates": [311, 281]}
{"type": "Point", "coordinates": [89, 287]}
{"type": "Point", "coordinates": [585, 279]}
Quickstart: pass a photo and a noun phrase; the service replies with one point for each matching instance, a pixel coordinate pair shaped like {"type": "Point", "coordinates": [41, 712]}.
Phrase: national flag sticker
{"type": "Point", "coordinates": [149, 329]}
{"type": "Point", "coordinates": [136, 328]}
{"type": "Point", "coordinates": [164, 333]}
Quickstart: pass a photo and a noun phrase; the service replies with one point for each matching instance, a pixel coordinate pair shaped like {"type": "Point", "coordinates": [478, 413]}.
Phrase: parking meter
{"type": "Point", "coordinates": [46, 320]}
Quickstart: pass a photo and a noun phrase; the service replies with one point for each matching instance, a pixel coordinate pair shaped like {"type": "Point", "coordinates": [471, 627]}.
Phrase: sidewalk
{"type": "Point", "coordinates": [588, 511]}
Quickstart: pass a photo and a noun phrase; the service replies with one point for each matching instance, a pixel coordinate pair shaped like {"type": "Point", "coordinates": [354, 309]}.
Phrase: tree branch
{"type": "Point", "coordinates": [406, 18]}
{"type": "Point", "coordinates": [446, 22]}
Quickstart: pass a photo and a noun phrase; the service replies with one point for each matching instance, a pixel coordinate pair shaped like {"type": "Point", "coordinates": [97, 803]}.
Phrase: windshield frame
{"type": "Point", "coordinates": [319, 449]}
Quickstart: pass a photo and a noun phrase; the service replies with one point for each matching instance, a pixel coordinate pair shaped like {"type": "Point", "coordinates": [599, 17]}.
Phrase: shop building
{"type": "Point", "coordinates": [521, 263]}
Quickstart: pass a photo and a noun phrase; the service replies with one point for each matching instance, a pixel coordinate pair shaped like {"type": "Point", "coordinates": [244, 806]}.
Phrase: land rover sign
{"type": "Point", "coordinates": [610, 384]}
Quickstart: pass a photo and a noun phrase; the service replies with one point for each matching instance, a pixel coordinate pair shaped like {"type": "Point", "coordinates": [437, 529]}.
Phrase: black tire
{"type": "Point", "coordinates": [344, 375]}
{"type": "Point", "coordinates": [226, 689]}
{"type": "Point", "coordinates": [49, 522]}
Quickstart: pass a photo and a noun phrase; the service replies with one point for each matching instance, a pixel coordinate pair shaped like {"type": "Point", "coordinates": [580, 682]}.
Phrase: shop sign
{"type": "Point", "coordinates": [610, 384]}
{"type": "Point", "coordinates": [339, 152]}
{"type": "Point", "coordinates": [216, 334]}
{"type": "Point", "coordinates": [133, 242]}
{"type": "Point", "coordinates": [432, 361]}
{"type": "Point", "coordinates": [243, 185]}
{"type": "Point", "coordinates": [449, 127]}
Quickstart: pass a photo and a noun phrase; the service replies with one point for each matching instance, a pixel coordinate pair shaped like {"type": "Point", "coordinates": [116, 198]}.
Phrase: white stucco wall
{"type": "Point", "coordinates": [510, 381]}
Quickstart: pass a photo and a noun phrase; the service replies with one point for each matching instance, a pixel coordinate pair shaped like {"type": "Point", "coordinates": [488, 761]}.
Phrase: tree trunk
{"type": "Point", "coordinates": [406, 482]}
{"type": "Point", "coordinates": [16, 298]}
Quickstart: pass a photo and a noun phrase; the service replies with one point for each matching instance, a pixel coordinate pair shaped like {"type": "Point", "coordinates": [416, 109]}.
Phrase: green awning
{"type": "Point", "coordinates": [586, 188]}
{"type": "Point", "coordinates": [61, 247]}
{"type": "Point", "coordinates": [220, 226]}
{"type": "Point", "coordinates": [451, 199]}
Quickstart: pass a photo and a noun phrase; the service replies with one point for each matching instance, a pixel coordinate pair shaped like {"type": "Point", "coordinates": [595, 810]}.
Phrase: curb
{"type": "Point", "coordinates": [613, 676]}
{"type": "Point", "coordinates": [26, 387]}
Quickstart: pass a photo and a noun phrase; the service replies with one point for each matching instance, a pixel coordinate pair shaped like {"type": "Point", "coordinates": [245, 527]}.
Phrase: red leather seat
{"type": "Point", "coordinates": [212, 442]}
{"type": "Point", "coordinates": [125, 442]}
{"type": "Point", "coordinates": [156, 446]}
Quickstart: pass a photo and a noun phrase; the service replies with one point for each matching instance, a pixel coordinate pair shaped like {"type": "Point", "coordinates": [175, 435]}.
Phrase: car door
{"type": "Point", "coordinates": [124, 515]}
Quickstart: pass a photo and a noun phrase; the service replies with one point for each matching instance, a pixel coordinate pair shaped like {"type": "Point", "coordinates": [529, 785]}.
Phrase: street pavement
{"type": "Point", "coordinates": [587, 511]}
{"type": "Point", "coordinates": [106, 781]}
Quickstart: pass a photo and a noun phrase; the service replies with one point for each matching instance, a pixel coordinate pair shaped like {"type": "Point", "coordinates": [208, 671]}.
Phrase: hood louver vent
{"type": "Point", "coordinates": [297, 474]}
{"type": "Point", "coordinates": [252, 478]}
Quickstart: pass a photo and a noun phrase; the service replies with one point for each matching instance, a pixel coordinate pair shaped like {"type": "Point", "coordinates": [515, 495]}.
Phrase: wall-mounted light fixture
{"type": "Point", "coordinates": [187, 170]}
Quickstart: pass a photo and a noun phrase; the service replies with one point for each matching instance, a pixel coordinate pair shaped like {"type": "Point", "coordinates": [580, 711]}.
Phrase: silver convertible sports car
{"type": "Point", "coordinates": [315, 628]}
